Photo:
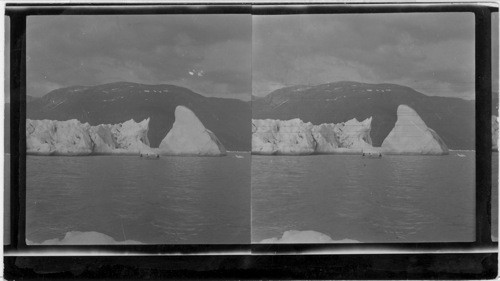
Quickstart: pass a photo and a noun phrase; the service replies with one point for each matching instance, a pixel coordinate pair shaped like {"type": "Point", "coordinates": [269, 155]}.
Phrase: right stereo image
{"type": "Point", "coordinates": [363, 128]}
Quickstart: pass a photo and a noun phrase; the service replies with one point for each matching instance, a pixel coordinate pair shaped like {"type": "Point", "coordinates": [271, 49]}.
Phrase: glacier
{"type": "Point", "coordinates": [306, 236]}
{"type": "Point", "coordinates": [188, 136]}
{"type": "Point", "coordinates": [411, 135]}
{"type": "Point", "coordinates": [295, 137]}
{"type": "Point", "coordinates": [71, 137]}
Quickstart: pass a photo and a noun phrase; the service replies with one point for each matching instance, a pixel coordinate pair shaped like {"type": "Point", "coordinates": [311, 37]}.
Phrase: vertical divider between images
{"type": "Point", "coordinates": [483, 125]}
{"type": "Point", "coordinates": [18, 126]}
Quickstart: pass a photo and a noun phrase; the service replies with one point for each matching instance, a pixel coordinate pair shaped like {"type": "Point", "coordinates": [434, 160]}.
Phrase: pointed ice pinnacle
{"type": "Point", "coordinates": [411, 135]}
{"type": "Point", "coordinates": [188, 136]}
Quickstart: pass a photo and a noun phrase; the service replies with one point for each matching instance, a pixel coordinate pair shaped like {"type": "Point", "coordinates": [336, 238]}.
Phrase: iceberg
{"type": "Point", "coordinates": [188, 136]}
{"type": "Point", "coordinates": [411, 135]}
{"type": "Point", "coordinates": [295, 137]}
{"type": "Point", "coordinates": [302, 237]}
{"type": "Point", "coordinates": [83, 238]}
{"type": "Point", "coordinates": [71, 137]}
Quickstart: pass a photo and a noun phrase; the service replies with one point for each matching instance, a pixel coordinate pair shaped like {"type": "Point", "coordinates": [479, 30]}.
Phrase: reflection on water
{"type": "Point", "coordinates": [172, 200]}
{"type": "Point", "coordinates": [392, 199]}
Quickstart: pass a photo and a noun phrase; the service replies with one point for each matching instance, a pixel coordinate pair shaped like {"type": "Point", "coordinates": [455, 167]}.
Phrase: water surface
{"type": "Point", "coordinates": [392, 199]}
{"type": "Point", "coordinates": [172, 200]}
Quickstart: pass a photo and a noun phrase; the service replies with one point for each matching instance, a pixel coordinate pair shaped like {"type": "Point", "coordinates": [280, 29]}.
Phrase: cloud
{"type": "Point", "coordinates": [432, 52]}
{"type": "Point", "coordinates": [149, 49]}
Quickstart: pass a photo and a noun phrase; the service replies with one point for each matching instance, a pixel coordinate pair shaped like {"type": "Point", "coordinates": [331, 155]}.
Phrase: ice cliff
{"type": "Point", "coordinates": [282, 137]}
{"type": "Point", "coordinates": [188, 136]}
{"type": "Point", "coordinates": [411, 135]}
{"type": "Point", "coordinates": [294, 137]}
{"type": "Point", "coordinates": [50, 137]}
{"type": "Point", "coordinates": [127, 137]}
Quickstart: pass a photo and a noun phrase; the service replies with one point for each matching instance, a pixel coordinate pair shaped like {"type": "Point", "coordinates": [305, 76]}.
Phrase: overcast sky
{"type": "Point", "coordinates": [430, 52]}
{"type": "Point", "coordinates": [209, 54]}
{"type": "Point", "coordinates": [212, 54]}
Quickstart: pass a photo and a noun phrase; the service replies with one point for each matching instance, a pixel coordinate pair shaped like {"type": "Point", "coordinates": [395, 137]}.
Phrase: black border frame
{"type": "Point", "coordinates": [287, 264]}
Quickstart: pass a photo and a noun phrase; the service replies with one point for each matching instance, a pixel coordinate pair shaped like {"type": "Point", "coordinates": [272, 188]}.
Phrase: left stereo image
{"type": "Point", "coordinates": [138, 129]}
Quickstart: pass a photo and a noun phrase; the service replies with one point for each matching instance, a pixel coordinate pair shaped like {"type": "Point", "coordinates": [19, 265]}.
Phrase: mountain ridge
{"type": "Point", "coordinates": [452, 118]}
{"type": "Point", "coordinates": [116, 102]}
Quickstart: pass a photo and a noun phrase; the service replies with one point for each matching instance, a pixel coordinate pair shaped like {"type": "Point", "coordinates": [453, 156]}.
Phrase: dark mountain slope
{"type": "Point", "coordinates": [452, 118]}
{"type": "Point", "coordinates": [113, 103]}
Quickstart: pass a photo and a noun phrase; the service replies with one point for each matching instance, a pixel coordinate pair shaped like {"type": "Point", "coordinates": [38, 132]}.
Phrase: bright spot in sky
{"type": "Point", "coordinates": [198, 73]}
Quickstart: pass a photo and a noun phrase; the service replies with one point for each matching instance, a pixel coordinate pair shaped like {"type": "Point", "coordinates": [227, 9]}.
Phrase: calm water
{"type": "Point", "coordinates": [173, 200]}
{"type": "Point", "coordinates": [392, 199]}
